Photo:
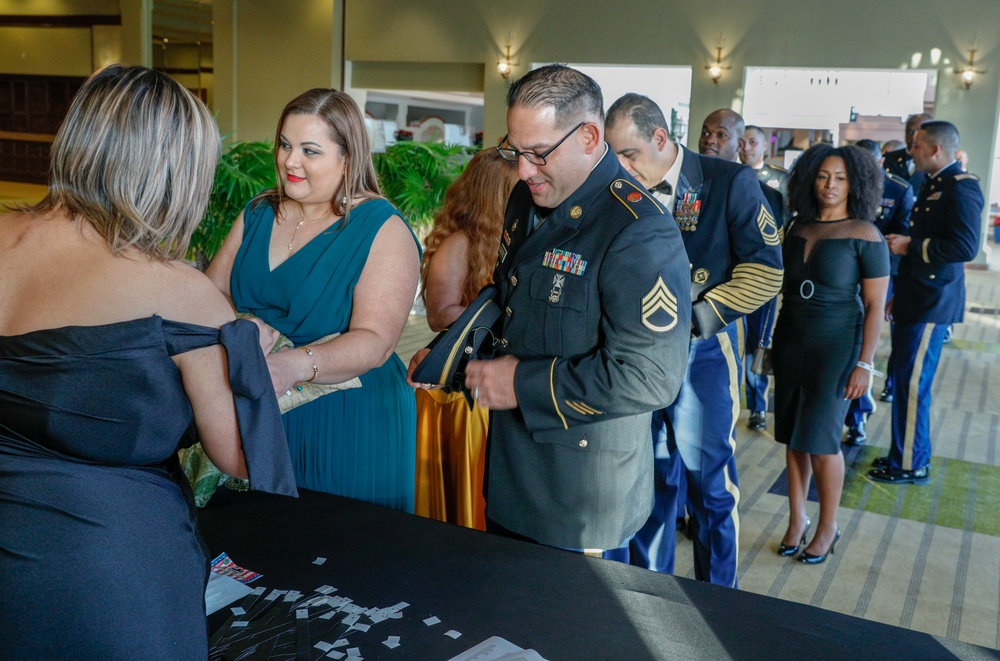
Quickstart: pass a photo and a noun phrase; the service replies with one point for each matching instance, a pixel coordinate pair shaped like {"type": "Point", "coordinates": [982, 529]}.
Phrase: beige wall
{"type": "Point", "coordinates": [266, 54]}
{"type": "Point", "coordinates": [59, 7]}
{"type": "Point", "coordinates": [74, 51]}
{"type": "Point", "coordinates": [137, 32]}
{"type": "Point", "coordinates": [883, 34]}
{"type": "Point", "coordinates": [29, 50]}
{"type": "Point", "coordinates": [845, 34]}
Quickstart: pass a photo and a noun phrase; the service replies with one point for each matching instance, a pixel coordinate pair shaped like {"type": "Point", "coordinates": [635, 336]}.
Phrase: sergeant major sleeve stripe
{"type": "Point", "coordinates": [751, 286]}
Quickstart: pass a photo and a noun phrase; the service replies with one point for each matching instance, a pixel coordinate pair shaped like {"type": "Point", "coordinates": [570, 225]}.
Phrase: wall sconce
{"type": "Point", "coordinates": [504, 65]}
{"type": "Point", "coordinates": [716, 68]}
{"type": "Point", "coordinates": [969, 72]}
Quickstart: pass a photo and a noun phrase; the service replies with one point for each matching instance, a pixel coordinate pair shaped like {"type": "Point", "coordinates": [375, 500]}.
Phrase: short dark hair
{"type": "Point", "coordinates": [943, 134]}
{"type": "Point", "coordinates": [642, 111]}
{"type": "Point", "coordinates": [869, 145]}
{"type": "Point", "coordinates": [752, 127]}
{"type": "Point", "coordinates": [574, 95]}
{"type": "Point", "coordinates": [865, 180]}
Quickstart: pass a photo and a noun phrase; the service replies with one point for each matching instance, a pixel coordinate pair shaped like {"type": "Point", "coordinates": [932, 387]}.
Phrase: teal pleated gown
{"type": "Point", "coordinates": [361, 442]}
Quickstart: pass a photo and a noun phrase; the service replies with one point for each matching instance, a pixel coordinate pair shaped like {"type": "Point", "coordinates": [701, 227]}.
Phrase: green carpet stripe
{"type": "Point", "coordinates": [972, 345]}
{"type": "Point", "coordinates": [951, 509]}
{"type": "Point", "coordinates": [918, 501]}
{"type": "Point", "coordinates": [988, 501]}
{"type": "Point", "coordinates": [854, 478]}
{"type": "Point", "coordinates": [882, 499]}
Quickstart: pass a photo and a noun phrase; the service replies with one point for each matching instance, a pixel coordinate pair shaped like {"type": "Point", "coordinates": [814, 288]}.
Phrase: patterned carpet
{"type": "Point", "coordinates": [962, 495]}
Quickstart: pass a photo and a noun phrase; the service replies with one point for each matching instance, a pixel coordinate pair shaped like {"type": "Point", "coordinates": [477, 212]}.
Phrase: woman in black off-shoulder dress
{"type": "Point", "coordinates": [836, 275]}
{"type": "Point", "coordinates": [113, 352]}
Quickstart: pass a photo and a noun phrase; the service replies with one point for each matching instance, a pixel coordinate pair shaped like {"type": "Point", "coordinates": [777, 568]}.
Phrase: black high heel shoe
{"type": "Point", "coordinates": [810, 559]}
{"type": "Point", "coordinates": [788, 551]}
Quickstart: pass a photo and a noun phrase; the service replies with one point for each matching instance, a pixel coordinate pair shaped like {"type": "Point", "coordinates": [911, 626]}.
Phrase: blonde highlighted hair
{"type": "Point", "coordinates": [135, 157]}
{"type": "Point", "coordinates": [474, 205]}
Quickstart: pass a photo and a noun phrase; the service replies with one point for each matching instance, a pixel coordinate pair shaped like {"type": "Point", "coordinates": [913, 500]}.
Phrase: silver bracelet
{"type": "Point", "coordinates": [870, 369]}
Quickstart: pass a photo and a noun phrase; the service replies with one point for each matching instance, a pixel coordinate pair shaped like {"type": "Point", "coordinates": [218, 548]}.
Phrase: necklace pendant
{"type": "Point", "coordinates": [289, 246]}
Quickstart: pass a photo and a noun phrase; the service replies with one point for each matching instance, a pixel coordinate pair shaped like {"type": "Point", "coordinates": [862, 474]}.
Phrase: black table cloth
{"type": "Point", "coordinates": [565, 606]}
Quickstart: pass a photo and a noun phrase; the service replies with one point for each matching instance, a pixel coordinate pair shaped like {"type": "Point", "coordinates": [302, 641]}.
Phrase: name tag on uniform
{"type": "Point", "coordinates": [563, 260]}
{"type": "Point", "coordinates": [934, 196]}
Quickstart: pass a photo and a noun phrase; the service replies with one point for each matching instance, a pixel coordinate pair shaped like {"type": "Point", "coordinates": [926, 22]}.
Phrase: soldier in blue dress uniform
{"type": "Point", "coordinates": [900, 163]}
{"type": "Point", "coordinates": [893, 217]}
{"type": "Point", "coordinates": [733, 246]}
{"type": "Point", "coordinates": [592, 284]}
{"type": "Point", "coordinates": [759, 324]}
{"type": "Point", "coordinates": [753, 154]}
{"type": "Point", "coordinates": [929, 295]}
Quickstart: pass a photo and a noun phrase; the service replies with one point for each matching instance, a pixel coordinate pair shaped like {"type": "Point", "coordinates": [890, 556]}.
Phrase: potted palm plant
{"type": "Point", "coordinates": [245, 169]}
{"type": "Point", "coordinates": [415, 175]}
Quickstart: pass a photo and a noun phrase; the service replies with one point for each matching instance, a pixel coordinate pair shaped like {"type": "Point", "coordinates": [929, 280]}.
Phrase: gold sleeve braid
{"type": "Point", "coordinates": [751, 286]}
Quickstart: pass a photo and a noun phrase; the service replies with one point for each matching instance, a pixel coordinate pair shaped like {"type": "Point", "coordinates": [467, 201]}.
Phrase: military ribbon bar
{"type": "Point", "coordinates": [563, 260]}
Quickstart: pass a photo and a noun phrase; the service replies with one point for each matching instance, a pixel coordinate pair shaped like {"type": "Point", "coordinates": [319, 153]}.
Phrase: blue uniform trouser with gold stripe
{"type": "Point", "coordinates": [759, 323]}
{"type": "Point", "coordinates": [863, 406]}
{"type": "Point", "coordinates": [696, 434]}
{"type": "Point", "coordinates": [891, 361]}
{"type": "Point", "coordinates": [860, 408]}
{"type": "Point", "coordinates": [917, 350]}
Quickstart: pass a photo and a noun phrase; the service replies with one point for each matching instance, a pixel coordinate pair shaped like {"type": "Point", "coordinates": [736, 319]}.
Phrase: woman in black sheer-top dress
{"type": "Point", "coordinates": [833, 295]}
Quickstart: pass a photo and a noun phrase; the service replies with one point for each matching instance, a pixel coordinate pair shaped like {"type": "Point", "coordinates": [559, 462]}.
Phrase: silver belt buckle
{"type": "Point", "coordinates": [802, 289]}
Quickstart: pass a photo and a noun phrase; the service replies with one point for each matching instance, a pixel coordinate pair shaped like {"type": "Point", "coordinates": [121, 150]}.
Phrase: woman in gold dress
{"type": "Point", "coordinates": [460, 254]}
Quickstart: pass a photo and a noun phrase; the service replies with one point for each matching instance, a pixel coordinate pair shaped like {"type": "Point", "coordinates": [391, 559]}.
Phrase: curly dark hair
{"type": "Point", "coordinates": [865, 180]}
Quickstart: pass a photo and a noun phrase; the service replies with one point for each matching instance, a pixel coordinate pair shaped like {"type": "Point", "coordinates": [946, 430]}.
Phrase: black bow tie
{"type": "Point", "coordinates": [662, 187]}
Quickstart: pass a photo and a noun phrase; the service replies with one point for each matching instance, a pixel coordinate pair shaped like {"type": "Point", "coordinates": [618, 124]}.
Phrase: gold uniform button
{"type": "Point", "coordinates": [513, 280]}
{"type": "Point", "coordinates": [504, 342]}
{"type": "Point", "coordinates": [508, 311]}
{"type": "Point", "coordinates": [933, 276]}
{"type": "Point", "coordinates": [583, 442]}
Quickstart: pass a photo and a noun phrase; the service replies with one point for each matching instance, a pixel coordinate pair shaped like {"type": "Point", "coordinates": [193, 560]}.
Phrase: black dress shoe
{"type": "Point", "coordinates": [886, 395]}
{"type": "Point", "coordinates": [883, 462]}
{"type": "Point", "coordinates": [787, 551]}
{"type": "Point", "coordinates": [757, 421]}
{"type": "Point", "coordinates": [856, 434]}
{"type": "Point", "coordinates": [893, 475]}
{"type": "Point", "coordinates": [810, 559]}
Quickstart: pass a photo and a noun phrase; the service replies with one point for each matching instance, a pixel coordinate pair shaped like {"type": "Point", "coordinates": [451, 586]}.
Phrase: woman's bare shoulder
{"type": "Point", "coordinates": [186, 294]}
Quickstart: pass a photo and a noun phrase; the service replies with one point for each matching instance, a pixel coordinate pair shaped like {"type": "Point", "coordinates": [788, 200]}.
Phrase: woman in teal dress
{"type": "Point", "coordinates": [325, 253]}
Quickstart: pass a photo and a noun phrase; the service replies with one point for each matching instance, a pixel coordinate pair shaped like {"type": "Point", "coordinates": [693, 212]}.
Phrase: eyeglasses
{"type": "Point", "coordinates": [511, 154]}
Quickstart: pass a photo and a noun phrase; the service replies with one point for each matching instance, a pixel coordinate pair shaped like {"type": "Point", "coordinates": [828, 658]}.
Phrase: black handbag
{"type": "Point", "coordinates": [761, 363]}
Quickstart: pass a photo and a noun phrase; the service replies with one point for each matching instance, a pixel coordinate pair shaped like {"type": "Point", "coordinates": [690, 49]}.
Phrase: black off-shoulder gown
{"type": "Point", "coordinates": [99, 552]}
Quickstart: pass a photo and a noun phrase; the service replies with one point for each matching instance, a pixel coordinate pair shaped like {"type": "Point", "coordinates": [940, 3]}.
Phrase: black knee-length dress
{"type": "Point", "coordinates": [817, 337]}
